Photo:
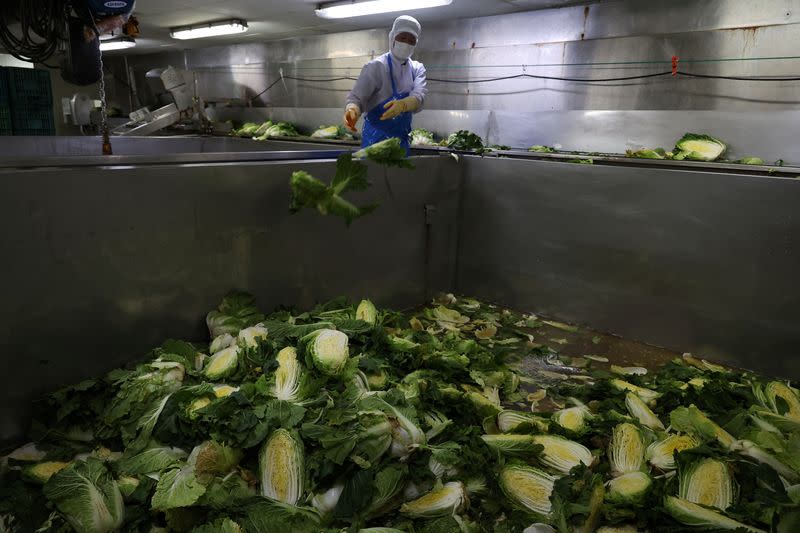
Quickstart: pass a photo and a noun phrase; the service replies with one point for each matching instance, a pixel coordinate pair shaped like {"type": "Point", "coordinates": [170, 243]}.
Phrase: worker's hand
{"type": "Point", "coordinates": [351, 114]}
{"type": "Point", "coordinates": [395, 107]}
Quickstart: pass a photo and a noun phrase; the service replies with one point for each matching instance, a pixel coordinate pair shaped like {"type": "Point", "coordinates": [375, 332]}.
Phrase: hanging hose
{"type": "Point", "coordinates": [42, 28]}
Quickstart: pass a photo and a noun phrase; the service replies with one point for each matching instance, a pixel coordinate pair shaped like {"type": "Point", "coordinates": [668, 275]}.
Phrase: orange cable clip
{"type": "Point", "coordinates": [675, 60]}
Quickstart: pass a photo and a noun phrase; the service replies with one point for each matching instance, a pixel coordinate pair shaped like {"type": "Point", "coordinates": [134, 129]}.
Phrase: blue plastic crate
{"type": "Point", "coordinates": [28, 86]}
{"type": "Point", "coordinates": [6, 127]}
{"type": "Point", "coordinates": [33, 119]}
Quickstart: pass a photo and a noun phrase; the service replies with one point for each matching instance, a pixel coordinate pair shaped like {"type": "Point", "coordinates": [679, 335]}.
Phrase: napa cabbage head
{"type": "Point", "coordinates": [561, 454]}
{"type": "Point", "coordinates": [367, 312]}
{"type": "Point", "coordinates": [708, 482]}
{"type": "Point", "coordinates": [328, 350]}
{"type": "Point", "coordinates": [573, 419]}
{"type": "Point", "coordinates": [88, 497]}
{"type": "Point", "coordinates": [699, 147]}
{"type": "Point", "coordinates": [626, 450]}
{"type": "Point", "coordinates": [508, 421]}
{"type": "Point", "coordinates": [629, 488]}
{"type": "Point", "coordinates": [223, 363]}
{"type": "Point", "coordinates": [661, 454]}
{"type": "Point", "coordinates": [287, 376]}
{"type": "Point", "coordinates": [528, 488]}
{"type": "Point", "coordinates": [451, 498]}
{"type": "Point", "coordinates": [282, 465]}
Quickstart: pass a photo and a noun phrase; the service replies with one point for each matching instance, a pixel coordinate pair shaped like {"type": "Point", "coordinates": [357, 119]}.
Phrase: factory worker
{"type": "Point", "coordinates": [390, 88]}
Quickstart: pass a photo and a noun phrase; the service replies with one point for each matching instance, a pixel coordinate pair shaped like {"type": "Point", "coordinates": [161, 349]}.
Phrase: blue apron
{"type": "Point", "coordinates": [377, 130]}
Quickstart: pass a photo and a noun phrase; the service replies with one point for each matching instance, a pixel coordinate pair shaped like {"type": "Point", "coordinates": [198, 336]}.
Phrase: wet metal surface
{"type": "Point", "coordinates": [695, 262]}
{"type": "Point", "coordinates": [619, 351]}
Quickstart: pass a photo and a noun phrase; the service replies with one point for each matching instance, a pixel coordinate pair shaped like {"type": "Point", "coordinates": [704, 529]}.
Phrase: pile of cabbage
{"type": "Point", "coordinates": [694, 147]}
{"type": "Point", "coordinates": [333, 132]}
{"type": "Point", "coordinates": [266, 130]}
{"type": "Point", "coordinates": [422, 137]}
{"type": "Point", "coordinates": [350, 418]}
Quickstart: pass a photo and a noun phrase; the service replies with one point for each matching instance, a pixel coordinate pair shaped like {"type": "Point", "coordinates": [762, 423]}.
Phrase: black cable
{"type": "Point", "coordinates": [557, 78]}
{"type": "Point", "coordinates": [538, 77]}
{"type": "Point", "coordinates": [42, 27]}
{"type": "Point", "coordinates": [271, 85]}
{"type": "Point", "coordinates": [502, 78]}
{"type": "Point", "coordinates": [564, 78]}
{"type": "Point", "coordinates": [324, 80]}
{"type": "Point", "coordinates": [736, 78]}
{"type": "Point", "coordinates": [341, 78]}
{"type": "Point", "coordinates": [485, 80]}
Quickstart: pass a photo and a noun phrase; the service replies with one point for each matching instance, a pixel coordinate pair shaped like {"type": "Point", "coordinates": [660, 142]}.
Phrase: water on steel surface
{"type": "Point", "coordinates": [574, 349]}
{"type": "Point", "coordinates": [573, 344]}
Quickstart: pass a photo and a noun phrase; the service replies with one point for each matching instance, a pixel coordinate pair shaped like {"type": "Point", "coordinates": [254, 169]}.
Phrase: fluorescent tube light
{"type": "Point", "coordinates": [116, 43]}
{"type": "Point", "coordinates": [212, 29]}
{"type": "Point", "coordinates": [341, 10]}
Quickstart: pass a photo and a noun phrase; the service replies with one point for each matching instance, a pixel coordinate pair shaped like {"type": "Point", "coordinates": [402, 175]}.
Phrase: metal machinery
{"type": "Point", "coordinates": [693, 258]}
{"type": "Point", "coordinates": [179, 87]}
{"type": "Point", "coordinates": [177, 96]}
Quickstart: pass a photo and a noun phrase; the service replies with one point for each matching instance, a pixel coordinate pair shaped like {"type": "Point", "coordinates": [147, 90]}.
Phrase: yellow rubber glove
{"type": "Point", "coordinates": [351, 114]}
{"type": "Point", "coordinates": [395, 107]}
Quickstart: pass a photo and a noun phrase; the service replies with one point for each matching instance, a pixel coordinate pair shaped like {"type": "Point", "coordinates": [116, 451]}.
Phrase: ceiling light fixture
{"type": "Point", "coordinates": [212, 29]}
{"type": "Point", "coordinates": [116, 43]}
{"type": "Point", "coordinates": [342, 10]}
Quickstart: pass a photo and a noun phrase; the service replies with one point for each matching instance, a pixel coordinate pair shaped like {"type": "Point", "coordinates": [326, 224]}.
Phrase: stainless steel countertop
{"type": "Point", "coordinates": [168, 159]}
{"type": "Point", "coordinates": [619, 159]}
{"type": "Point", "coordinates": [344, 146]}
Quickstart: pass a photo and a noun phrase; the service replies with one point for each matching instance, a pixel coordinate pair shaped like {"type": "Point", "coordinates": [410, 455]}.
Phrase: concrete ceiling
{"type": "Point", "coordinates": [279, 19]}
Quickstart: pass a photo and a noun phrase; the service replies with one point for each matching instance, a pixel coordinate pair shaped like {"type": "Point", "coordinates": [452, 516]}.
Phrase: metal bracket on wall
{"type": "Point", "coordinates": [430, 214]}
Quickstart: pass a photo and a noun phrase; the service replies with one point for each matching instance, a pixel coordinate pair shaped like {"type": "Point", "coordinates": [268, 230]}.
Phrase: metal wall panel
{"type": "Point", "coordinates": [617, 19]}
{"type": "Point", "coordinates": [611, 19]}
{"type": "Point", "coordinates": [103, 264]}
{"type": "Point", "coordinates": [767, 134]}
{"type": "Point", "coordinates": [757, 118]}
{"type": "Point", "coordinates": [613, 32]}
{"type": "Point", "coordinates": [23, 147]}
{"type": "Point", "coordinates": [692, 261]}
{"type": "Point", "coordinates": [761, 133]}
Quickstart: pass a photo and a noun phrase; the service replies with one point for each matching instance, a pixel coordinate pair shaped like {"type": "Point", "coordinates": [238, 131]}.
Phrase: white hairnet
{"type": "Point", "coordinates": [404, 23]}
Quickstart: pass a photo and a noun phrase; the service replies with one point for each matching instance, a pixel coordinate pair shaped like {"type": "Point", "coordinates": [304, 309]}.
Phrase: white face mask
{"type": "Point", "coordinates": [402, 51]}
